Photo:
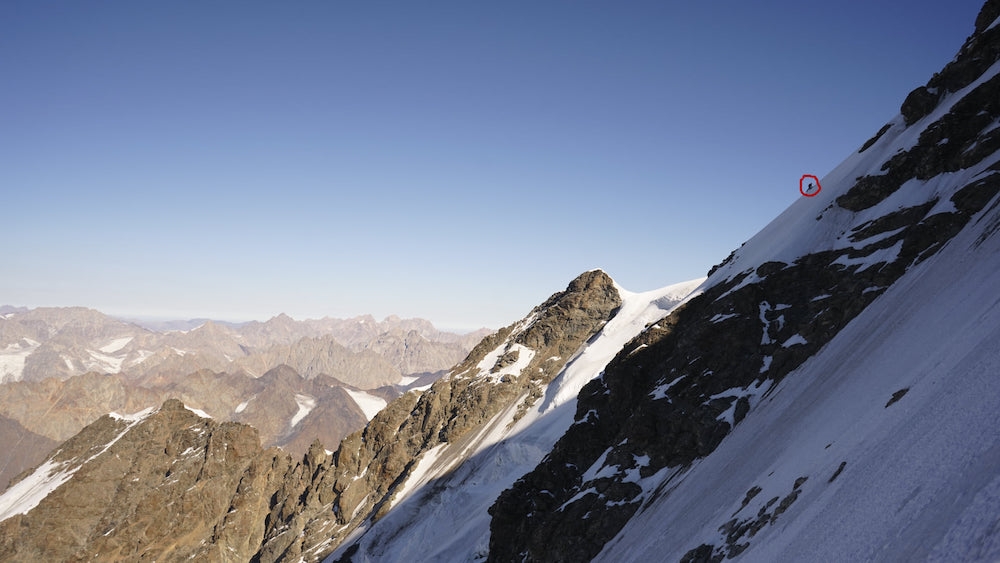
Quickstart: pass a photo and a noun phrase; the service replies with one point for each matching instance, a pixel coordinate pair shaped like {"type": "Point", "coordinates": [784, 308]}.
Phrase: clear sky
{"type": "Point", "coordinates": [458, 161]}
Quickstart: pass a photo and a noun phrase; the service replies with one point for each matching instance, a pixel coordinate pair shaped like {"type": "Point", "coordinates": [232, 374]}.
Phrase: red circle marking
{"type": "Point", "coordinates": [802, 189]}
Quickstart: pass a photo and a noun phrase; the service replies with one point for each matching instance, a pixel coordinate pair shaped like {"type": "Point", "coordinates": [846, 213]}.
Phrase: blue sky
{"type": "Point", "coordinates": [458, 161]}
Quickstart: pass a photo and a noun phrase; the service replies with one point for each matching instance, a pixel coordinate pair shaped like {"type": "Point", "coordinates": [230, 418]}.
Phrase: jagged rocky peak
{"type": "Point", "coordinates": [167, 484]}
{"type": "Point", "coordinates": [506, 371]}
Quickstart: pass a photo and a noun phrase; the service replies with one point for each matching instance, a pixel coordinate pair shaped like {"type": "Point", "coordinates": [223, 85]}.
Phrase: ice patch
{"type": "Point", "coordinates": [306, 405]}
{"type": "Point", "coordinates": [883, 256]}
{"type": "Point", "coordinates": [26, 494]}
{"type": "Point", "coordinates": [766, 364]}
{"type": "Point", "coordinates": [524, 357]}
{"type": "Point", "coordinates": [661, 391]}
{"type": "Point", "coordinates": [764, 308]}
{"type": "Point", "coordinates": [751, 392]}
{"type": "Point", "coordinates": [133, 417]}
{"type": "Point", "coordinates": [369, 404]}
{"type": "Point", "coordinates": [13, 357]}
{"type": "Point", "coordinates": [115, 345]}
{"type": "Point", "coordinates": [795, 339]}
{"type": "Point", "coordinates": [408, 380]}
{"type": "Point", "coordinates": [103, 362]}
{"type": "Point", "coordinates": [198, 412]}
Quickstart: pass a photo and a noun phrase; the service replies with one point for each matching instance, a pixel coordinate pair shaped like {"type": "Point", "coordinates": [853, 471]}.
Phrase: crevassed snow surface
{"type": "Point", "coordinates": [104, 362]}
{"type": "Point", "coordinates": [13, 357]}
{"type": "Point", "coordinates": [454, 484]}
{"type": "Point", "coordinates": [369, 404]}
{"type": "Point", "coordinates": [919, 479]}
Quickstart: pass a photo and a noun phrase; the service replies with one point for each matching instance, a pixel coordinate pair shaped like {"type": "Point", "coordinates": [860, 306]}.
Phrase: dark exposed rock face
{"type": "Point", "coordinates": [676, 391]}
{"type": "Point", "coordinates": [979, 52]}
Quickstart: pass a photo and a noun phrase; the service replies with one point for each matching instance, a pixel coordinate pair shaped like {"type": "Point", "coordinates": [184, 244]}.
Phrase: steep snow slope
{"type": "Point", "coordinates": [454, 484]}
{"type": "Point", "coordinates": [919, 478]}
{"type": "Point", "coordinates": [814, 224]}
{"type": "Point", "coordinates": [817, 342]}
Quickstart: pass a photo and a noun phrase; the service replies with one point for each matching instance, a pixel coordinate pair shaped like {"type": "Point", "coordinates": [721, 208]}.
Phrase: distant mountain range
{"type": "Point", "coordinates": [62, 342]}
{"type": "Point", "coordinates": [295, 381]}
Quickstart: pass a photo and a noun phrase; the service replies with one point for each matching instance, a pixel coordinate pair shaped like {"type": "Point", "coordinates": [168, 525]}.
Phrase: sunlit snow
{"type": "Point", "coordinates": [30, 491]}
{"type": "Point", "coordinates": [115, 345]}
{"type": "Point", "coordinates": [13, 358]}
{"type": "Point", "coordinates": [306, 405]}
{"type": "Point", "coordinates": [369, 404]}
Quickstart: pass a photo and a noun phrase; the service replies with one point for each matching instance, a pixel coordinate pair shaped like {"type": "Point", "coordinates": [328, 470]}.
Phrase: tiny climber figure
{"type": "Point", "coordinates": [810, 189]}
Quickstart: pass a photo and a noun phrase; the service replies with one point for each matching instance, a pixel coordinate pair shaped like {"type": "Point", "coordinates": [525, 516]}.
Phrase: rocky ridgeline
{"type": "Point", "coordinates": [676, 391]}
{"type": "Point", "coordinates": [360, 480]}
{"type": "Point", "coordinates": [168, 486]}
{"type": "Point", "coordinates": [173, 485]}
{"type": "Point", "coordinates": [250, 373]}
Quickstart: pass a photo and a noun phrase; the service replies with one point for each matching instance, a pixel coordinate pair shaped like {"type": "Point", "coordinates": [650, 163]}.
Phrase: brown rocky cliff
{"type": "Point", "coordinates": [170, 486]}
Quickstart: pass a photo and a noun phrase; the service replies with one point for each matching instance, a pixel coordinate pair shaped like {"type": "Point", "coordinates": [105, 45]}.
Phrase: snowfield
{"type": "Point", "coordinates": [13, 357]}
{"type": "Point", "coordinates": [369, 404]}
{"type": "Point", "coordinates": [306, 404]}
{"type": "Point", "coordinates": [919, 479]}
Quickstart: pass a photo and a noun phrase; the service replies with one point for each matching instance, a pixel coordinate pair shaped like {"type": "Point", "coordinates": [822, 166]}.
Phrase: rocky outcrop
{"type": "Point", "coordinates": [509, 368]}
{"type": "Point", "coordinates": [676, 391]}
{"type": "Point", "coordinates": [167, 485]}
{"type": "Point", "coordinates": [980, 51]}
